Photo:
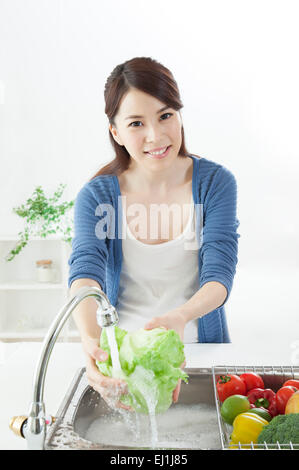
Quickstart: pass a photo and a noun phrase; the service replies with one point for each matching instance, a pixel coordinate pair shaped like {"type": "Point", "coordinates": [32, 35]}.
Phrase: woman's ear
{"type": "Point", "coordinates": [114, 133]}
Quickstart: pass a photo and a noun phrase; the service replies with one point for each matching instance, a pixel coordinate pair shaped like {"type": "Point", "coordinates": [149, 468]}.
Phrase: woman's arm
{"type": "Point", "coordinates": [206, 299]}
{"type": "Point", "coordinates": [85, 313]}
{"type": "Point", "coordinates": [219, 249]}
{"type": "Point", "coordinates": [209, 297]}
{"type": "Point", "coordinates": [218, 254]}
{"type": "Point", "coordinates": [89, 255]}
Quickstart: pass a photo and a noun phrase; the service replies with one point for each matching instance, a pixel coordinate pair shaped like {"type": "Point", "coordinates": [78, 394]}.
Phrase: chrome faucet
{"type": "Point", "coordinates": [34, 427]}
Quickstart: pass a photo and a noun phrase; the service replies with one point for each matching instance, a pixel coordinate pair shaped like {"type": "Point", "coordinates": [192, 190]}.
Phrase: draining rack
{"type": "Point", "coordinates": [273, 377]}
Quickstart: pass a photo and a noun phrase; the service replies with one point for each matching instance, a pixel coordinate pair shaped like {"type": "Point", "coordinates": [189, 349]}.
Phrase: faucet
{"type": "Point", "coordinates": [33, 428]}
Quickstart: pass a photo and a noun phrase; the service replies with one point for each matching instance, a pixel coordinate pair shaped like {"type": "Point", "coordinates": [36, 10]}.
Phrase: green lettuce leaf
{"type": "Point", "coordinates": [150, 362]}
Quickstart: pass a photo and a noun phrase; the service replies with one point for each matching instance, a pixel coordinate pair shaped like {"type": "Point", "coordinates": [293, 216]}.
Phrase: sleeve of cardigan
{"type": "Point", "coordinates": [89, 254]}
{"type": "Point", "coordinates": [219, 248]}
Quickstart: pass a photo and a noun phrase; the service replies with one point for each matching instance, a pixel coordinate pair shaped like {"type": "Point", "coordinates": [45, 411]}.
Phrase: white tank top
{"type": "Point", "coordinates": [157, 278]}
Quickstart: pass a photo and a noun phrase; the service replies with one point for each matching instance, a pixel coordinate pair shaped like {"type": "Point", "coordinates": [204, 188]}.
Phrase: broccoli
{"type": "Point", "coordinates": [283, 429]}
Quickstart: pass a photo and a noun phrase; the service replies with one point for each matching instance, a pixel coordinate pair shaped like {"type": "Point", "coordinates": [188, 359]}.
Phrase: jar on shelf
{"type": "Point", "coordinates": [44, 270]}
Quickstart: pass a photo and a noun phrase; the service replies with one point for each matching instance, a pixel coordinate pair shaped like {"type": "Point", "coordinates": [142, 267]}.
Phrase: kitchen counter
{"type": "Point", "coordinates": [18, 361]}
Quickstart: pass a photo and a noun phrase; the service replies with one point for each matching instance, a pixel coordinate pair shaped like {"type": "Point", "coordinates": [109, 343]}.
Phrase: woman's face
{"type": "Point", "coordinates": [154, 128]}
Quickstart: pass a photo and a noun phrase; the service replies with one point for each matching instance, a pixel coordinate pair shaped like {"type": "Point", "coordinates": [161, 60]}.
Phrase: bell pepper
{"type": "Point", "coordinates": [292, 405]}
{"type": "Point", "coordinates": [264, 397]}
{"type": "Point", "coordinates": [247, 427]}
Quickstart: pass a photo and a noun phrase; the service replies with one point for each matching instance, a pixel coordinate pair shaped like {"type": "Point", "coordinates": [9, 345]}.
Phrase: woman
{"type": "Point", "coordinates": [178, 273]}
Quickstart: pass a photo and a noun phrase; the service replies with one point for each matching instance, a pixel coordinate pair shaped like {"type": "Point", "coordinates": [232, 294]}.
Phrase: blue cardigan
{"type": "Point", "coordinates": [100, 257]}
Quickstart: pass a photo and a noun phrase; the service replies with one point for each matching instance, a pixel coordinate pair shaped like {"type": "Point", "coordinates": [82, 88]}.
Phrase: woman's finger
{"type": "Point", "coordinates": [111, 397]}
{"type": "Point", "coordinates": [97, 379]}
{"type": "Point", "coordinates": [95, 352]}
{"type": "Point", "coordinates": [176, 392]}
{"type": "Point", "coordinates": [119, 404]}
{"type": "Point", "coordinates": [155, 322]}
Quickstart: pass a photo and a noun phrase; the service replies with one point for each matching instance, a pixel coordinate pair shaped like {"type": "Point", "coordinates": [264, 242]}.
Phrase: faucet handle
{"type": "Point", "coordinates": [18, 423]}
{"type": "Point", "coordinates": [107, 317]}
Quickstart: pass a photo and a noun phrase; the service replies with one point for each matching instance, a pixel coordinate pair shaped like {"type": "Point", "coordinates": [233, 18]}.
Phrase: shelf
{"type": "Point", "coordinates": [36, 335]}
{"type": "Point", "coordinates": [31, 334]}
{"type": "Point", "coordinates": [11, 238]}
{"type": "Point", "coordinates": [27, 305]}
{"type": "Point", "coordinates": [31, 285]}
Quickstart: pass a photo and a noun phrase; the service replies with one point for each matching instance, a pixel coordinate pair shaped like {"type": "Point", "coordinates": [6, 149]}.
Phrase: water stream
{"type": "Point", "coordinates": [143, 382]}
{"type": "Point", "coordinates": [116, 367]}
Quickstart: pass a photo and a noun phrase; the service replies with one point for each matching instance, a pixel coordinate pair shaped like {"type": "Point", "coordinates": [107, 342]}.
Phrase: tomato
{"type": "Point", "coordinates": [228, 385]}
{"type": "Point", "coordinates": [233, 406]}
{"type": "Point", "coordinates": [282, 397]}
{"type": "Point", "coordinates": [292, 382]}
{"type": "Point", "coordinates": [252, 380]}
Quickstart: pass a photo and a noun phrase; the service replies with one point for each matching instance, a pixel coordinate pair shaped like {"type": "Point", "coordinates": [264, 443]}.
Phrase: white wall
{"type": "Point", "coordinates": [236, 67]}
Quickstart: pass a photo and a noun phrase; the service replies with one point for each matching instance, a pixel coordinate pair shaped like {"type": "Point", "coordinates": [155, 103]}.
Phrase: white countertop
{"type": "Point", "coordinates": [18, 361]}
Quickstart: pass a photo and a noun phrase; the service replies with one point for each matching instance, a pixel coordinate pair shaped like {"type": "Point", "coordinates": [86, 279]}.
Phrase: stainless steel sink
{"type": "Point", "coordinates": [82, 407]}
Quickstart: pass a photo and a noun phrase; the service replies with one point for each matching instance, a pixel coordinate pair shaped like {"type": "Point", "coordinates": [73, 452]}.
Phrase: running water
{"type": "Point", "coordinates": [116, 367]}
{"type": "Point", "coordinates": [143, 381]}
{"type": "Point", "coordinates": [154, 428]}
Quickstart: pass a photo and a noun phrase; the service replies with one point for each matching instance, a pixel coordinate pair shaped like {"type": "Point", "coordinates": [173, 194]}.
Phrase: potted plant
{"type": "Point", "coordinates": [43, 216]}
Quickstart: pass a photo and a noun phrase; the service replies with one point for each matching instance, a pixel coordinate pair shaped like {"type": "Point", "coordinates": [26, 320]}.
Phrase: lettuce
{"type": "Point", "coordinates": [150, 362]}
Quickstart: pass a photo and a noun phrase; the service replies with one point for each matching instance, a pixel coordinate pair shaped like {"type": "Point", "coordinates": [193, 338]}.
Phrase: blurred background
{"type": "Point", "coordinates": [236, 68]}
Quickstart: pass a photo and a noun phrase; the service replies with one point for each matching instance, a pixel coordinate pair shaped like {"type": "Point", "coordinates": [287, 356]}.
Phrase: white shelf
{"type": "Point", "coordinates": [36, 335]}
{"type": "Point", "coordinates": [15, 238]}
{"type": "Point", "coordinates": [31, 285]}
{"type": "Point", "coordinates": [28, 306]}
{"type": "Point", "coordinates": [31, 334]}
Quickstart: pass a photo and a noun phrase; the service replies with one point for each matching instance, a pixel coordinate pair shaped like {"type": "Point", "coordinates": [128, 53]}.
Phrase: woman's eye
{"type": "Point", "coordinates": [165, 114]}
{"type": "Point", "coordinates": [170, 114]}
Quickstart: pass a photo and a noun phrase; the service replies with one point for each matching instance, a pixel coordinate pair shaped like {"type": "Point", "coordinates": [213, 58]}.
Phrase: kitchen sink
{"type": "Point", "coordinates": [85, 421]}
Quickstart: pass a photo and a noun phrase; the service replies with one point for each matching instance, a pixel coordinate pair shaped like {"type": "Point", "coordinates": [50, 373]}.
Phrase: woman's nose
{"type": "Point", "coordinates": [153, 135]}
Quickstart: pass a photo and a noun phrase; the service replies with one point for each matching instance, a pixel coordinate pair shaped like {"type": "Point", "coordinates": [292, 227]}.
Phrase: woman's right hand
{"type": "Point", "coordinates": [110, 388]}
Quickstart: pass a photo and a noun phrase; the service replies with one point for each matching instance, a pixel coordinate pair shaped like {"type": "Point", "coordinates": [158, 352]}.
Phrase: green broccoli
{"type": "Point", "coordinates": [283, 429]}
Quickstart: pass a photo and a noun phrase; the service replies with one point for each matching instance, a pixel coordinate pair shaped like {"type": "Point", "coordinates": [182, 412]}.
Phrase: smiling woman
{"type": "Point", "coordinates": [156, 135]}
{"type": "Point", "coordinates": [153, 279]}
{"type": "Point", "coordinates": [143, 89]}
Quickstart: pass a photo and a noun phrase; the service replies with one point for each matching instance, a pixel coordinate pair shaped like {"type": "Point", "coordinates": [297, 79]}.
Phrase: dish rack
{"type": "Point", "coordinates": [273, 377]}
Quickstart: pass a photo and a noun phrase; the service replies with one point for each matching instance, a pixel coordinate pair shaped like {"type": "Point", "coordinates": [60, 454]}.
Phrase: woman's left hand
{"type": "Point", "coordinates": [172, 320]}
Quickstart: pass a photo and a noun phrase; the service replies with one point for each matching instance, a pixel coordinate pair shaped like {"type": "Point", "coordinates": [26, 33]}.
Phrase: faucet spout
{"type": "Point", "coordinates": [35, 429]}
{"type": "Point", "coordinates": [107, 317]}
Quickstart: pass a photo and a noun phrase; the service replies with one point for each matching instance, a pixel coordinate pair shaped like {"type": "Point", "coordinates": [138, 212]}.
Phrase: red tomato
{"type": "Point", "coordinates": [228, 385]}
{"type": "Point", "coordinates": [282, 396]}
{"type": "Point", "coordinates": [292, 382]}
{"type": "Point", "coordinates": [252, 380]}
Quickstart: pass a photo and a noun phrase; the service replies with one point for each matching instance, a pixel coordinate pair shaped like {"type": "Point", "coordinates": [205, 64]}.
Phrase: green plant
{"type": "Point", "coordinates": [43, 216]}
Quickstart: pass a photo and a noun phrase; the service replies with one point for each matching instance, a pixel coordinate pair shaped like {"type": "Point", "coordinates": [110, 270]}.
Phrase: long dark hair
{"type": "Point", "coordinates": [149, 76]}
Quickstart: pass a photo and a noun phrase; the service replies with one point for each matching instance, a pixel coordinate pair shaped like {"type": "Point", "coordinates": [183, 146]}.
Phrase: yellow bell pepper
{"type": "Point", "coordinates": [246, 428]}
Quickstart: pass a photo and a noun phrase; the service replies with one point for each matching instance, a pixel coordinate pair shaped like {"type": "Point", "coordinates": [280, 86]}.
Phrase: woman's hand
{"type": "Point", "coordinates": [110, 388]}
{"type": "Point", "coordinates": [172, 320]}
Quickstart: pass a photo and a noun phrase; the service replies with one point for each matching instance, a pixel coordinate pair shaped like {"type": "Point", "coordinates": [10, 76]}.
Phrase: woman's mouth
{"type": "Point", "coordinates": [158, 156]}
